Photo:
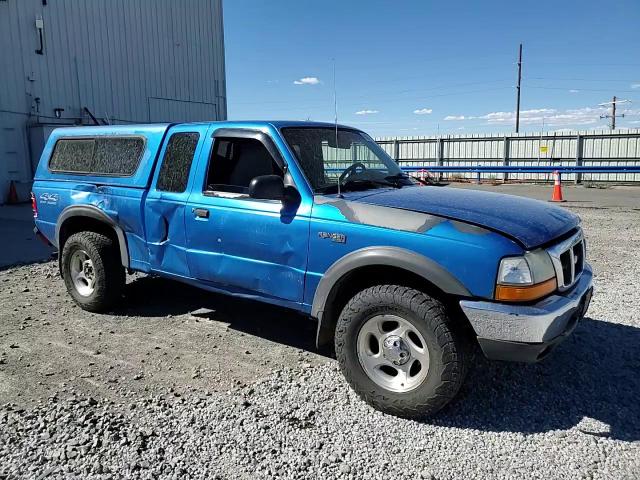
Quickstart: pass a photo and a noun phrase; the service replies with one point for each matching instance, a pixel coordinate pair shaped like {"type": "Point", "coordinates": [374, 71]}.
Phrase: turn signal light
{"type": "Point", "coordinates": [525, 293]}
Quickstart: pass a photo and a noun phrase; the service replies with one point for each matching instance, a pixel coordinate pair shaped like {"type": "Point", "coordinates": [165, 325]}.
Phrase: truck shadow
{"type": "Point", "coordinates": [593, 374]}
{"type": "Point", "coordinates": [158, 297]}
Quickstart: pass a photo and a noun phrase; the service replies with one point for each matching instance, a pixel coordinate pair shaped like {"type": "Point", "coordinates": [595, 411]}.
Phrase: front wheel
{"type": "Point", "coordinates": [396, 349]}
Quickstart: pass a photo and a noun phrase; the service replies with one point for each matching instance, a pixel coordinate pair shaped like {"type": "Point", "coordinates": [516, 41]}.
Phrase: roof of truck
{"type": "Point", "coordinates": [161, 127]}
{"type": "Point", "coordinates": [265, 123]}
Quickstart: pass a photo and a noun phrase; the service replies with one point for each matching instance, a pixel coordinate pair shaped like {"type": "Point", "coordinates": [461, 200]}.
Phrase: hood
{"type": "Point", "coordinates": [530, 222]}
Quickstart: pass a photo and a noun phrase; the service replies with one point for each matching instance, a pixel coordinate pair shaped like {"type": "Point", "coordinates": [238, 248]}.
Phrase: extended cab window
{"type": "Point", "coordinates": [176, 165]}
{"type": "Point", "coordinates": [235, 162]}
{"type": "Point", "coordinates": [116, 156]}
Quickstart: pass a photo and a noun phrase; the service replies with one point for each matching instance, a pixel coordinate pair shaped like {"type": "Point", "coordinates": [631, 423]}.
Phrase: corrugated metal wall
{"type": "Point", "coordinates": [604, 148]}
{"type": "Point", "coordinates": [125, 60]}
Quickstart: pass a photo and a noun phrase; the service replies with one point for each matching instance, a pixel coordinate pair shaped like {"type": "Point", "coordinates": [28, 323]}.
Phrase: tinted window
{"type": "Point", "coordinates": [117, 156]}
{"type": "Point", "coordinates": [236, 161]}
{"type": "Point", "coordinates": [174, 173]}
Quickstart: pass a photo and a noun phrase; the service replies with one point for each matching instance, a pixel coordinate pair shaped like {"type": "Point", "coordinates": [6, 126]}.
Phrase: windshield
{"type": "Point", "coordinates": [353, 160]}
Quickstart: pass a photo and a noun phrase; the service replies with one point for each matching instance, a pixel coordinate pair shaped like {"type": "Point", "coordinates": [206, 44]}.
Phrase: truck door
{"type": "Point", "coordinates": [246, 245]}
{"type": "Point", "coordinates": [166, 202]}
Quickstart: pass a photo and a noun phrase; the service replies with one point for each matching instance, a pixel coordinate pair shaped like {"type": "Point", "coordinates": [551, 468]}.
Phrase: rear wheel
{"type": "Point", "coordinates": [397, 351]}
{"type": "Point", "coordinates": [92, 271]}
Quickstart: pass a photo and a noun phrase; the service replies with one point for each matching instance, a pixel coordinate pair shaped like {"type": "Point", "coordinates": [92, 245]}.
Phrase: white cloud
{"type": "Point", "coordinates": [548, 116]}
{"type": "Point", "coordinates": [573, 90]}
{"type": "Point", "coordinates": [635, 85]}
{"type": "Point", "coordinates": [526, 116]}
{"type": "Point", "coordinates": [307, 81]}
{"type": "Point", "coordinates": [423, 111]}
{"type": "Point", "coordinates": [366, 112]}
{"type": "Point", "coordinates": [599, 127]}
{"type": "Point", "coordinates": [551, 117]}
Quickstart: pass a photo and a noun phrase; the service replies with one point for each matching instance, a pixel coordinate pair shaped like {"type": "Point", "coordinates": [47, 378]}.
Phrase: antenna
{"type": "Point", "coordinates": [335, 112]}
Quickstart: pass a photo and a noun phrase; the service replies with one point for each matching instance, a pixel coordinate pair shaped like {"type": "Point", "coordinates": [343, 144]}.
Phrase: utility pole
{"type": "Point", "coordinates": [613, 110]}
{"type": "Point", "coordinates": [518, 89]}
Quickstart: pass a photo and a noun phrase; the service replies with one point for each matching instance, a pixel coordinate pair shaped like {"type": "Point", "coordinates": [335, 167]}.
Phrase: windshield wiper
{"type": "Point", "coordinates": [358, 182]}
{"type": "Point", "coordinates": [396, 176]}
{"type": "Point", "coordinates": [369, 181]}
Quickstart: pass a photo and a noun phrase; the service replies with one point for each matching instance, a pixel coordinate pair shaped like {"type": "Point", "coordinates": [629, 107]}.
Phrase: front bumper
{"type": "Point", "coordinates": [527, 333]}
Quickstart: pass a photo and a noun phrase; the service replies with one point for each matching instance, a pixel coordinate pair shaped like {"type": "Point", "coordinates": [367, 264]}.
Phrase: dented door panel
{"type": "Point", "coordinates": [165, 214]}
{"type": "Point", "coordinates": [248, 244]}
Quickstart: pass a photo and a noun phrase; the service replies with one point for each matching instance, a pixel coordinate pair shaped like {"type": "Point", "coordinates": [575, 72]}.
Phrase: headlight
{"type": "Point", "coordinates": [514, 270]}
{"type": "Point", "coordinates": [526, 278]}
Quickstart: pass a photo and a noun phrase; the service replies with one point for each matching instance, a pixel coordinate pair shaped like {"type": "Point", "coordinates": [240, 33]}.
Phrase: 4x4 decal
{"type": "Point", "coordinates": [334, 237]}
{"type": "Point", "coordinates": [49, 198]}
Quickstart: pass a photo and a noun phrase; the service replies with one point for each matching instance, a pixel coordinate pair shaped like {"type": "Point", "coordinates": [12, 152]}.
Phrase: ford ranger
{"type": "Point", "coordinates": [404, 279]}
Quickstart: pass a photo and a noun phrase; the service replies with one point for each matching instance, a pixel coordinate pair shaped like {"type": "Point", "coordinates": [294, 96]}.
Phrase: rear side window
{"type": "Point", "coordinates": [176, 165]}
{"type": "Point", "coordinates": [115, 156]}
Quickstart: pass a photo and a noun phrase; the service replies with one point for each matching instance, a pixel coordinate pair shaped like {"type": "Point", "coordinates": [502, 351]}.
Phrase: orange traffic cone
{"type": "Point", "coordinates": [557, 188]}
{"type": "Point", "coordinates": [12, 198]}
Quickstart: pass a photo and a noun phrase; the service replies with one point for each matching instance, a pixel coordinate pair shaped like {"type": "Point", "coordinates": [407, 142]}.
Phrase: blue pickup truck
{"type": "Point", "coordinates": [404, 279]}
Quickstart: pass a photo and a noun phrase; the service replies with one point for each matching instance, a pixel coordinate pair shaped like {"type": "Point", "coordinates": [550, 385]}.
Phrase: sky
{"type": "Point", "coordinates": [434, 67]}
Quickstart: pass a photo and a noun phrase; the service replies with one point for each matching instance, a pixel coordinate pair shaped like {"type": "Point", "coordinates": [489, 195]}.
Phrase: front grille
{"type": "Point", "coordinates": [572, 263]}
{"type": "Point", "coordinates": [578, 258]}
{"type": "Point", "coordinates": [566, 262]}
{"type": "Point", "coordinates": [568, 259]}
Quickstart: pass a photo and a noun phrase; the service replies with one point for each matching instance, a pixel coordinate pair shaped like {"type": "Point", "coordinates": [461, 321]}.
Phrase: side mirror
{"type": "Point", "coordinates": [267, 187]}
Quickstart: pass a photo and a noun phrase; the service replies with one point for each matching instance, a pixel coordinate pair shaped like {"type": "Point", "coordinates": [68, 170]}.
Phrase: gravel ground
{"type": "Point", "coordinates": [210, 391]}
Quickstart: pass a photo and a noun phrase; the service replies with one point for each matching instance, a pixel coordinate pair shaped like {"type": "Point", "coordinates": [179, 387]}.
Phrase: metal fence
{"type": "Point", "coordinates": [567, 148]}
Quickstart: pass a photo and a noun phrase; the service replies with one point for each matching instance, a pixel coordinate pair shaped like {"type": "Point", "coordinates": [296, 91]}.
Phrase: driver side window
{"type": "Point", "coordinates": [235, 162]}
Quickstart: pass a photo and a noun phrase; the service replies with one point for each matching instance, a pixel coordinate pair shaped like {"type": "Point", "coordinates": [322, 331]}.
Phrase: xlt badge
{"type": "Point", "coordinates": [334, 237]}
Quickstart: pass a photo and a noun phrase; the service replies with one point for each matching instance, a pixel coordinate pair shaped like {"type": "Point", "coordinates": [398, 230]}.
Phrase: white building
{"type": "Point", "coordinates": [73, 62]}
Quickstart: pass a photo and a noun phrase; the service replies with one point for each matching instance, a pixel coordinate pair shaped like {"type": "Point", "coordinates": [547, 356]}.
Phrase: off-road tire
{"type": "Point", "coordinates": [109, 273]}
{"type": "Point", "coordinates": [447, 351]}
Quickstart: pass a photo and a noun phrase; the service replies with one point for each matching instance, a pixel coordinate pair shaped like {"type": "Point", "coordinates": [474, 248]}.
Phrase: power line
{"type": "Point", "coordinates": [385, 100]}
{"type": "Point", "coordinates": [578, 88]}
{"type": "Point", "coordinates": [590, 64]}
{"type": "Point", "coordinates": [433, 59]}
{"type": "Point", "coordinates": [581, 79]}
{"type": "Point", "coordinates": [379, 92]}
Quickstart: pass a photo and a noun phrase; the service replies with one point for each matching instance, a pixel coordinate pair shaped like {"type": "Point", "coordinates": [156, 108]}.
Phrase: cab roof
{"type": "Point", "coordinates": [162, 127]}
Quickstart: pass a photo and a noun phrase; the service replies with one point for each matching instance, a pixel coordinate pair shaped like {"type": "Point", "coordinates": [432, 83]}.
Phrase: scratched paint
{"type": "Point", "coordinates": [468, 228]}
{"type": "Point", "coordinates": [378, 216]}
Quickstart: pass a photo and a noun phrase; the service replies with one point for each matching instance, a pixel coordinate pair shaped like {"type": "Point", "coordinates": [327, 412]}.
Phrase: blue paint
{"type": "Point", "coordinates": [531, 222]}
{"type": "Point", "coordinates": [261, 249]}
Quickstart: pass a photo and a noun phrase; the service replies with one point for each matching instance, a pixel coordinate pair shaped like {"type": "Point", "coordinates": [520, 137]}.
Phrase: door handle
{"type": "Point", "coordinates": [201, 212]}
